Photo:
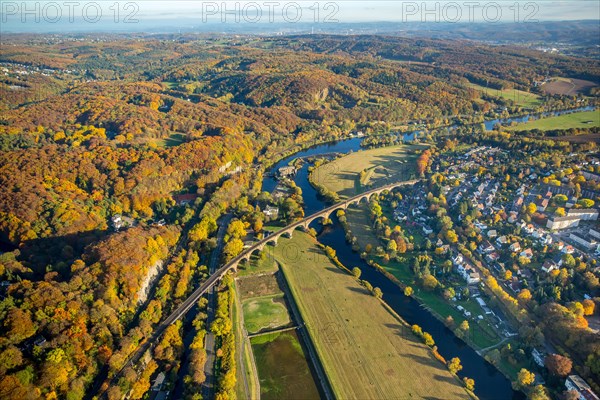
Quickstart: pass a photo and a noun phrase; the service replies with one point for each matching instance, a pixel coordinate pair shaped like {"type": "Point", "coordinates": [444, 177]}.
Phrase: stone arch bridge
{"type": "Point", "coordinates": [304, 224]}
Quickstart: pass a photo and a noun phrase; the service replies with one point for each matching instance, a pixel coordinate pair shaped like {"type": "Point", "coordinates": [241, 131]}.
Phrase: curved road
{"type": "Point", "coordinates": [215, 277]}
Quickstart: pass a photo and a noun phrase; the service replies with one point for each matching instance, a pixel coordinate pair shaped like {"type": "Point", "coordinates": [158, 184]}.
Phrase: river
{"type": "Point", "coordinates": [490, 384]}
{"type": "Point", "coordinates": [6, 247]}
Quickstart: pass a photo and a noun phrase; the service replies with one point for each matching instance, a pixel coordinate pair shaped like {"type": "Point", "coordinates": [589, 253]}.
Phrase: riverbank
{"type": "Point", "coordinates": [365, 355]}
{"type": "Point", "coordinates": [481, 335]}
{"type": "Point", "coordinates": [490, 383]}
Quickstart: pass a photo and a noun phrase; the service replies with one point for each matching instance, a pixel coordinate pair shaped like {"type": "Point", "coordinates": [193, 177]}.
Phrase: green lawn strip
{"type": "Point", "coordinates": [261, 313]}
{"type": "Point", "coordinates": [259, 265]}
{"type": "Point", "coordinates": [583, 119]}
{"type": "Point", "coordinates": [360, 225]}
{"type": "Point", "coordinates": [244, 354]}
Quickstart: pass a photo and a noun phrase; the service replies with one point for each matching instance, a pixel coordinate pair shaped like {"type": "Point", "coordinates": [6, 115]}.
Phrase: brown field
{"type": "Point", "coordinates": [566, 86]}
{"type": "Point", "coordinates": [258, 286]}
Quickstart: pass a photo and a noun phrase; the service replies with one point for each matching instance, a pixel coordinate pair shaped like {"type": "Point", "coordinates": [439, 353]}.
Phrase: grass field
{"type": "Point", "coordinates": [258, 265]}
{"type": "Point", "coordinates": [275, 361]}
{"type": "Point", "coordinates": [524, 99]}
{"type": "Point", "coordinates": [360, 225]}
{"type": "Point", "coordinates": [173, 140]}
{"type": "Point", "coordinates": [385, 165]}
{"type": "Point", "coordinates": [364, 349]}
{"type": "Point", "coordinates": [283, 367]}
{"type": "Point", "coordinates": [583, 119]}
{"type": "Point", "coordinates": [265, 313]}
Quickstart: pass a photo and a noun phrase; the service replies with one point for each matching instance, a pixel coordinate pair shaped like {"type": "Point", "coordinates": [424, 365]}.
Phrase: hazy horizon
{"type": "Point", "coordinates": [245, 16]}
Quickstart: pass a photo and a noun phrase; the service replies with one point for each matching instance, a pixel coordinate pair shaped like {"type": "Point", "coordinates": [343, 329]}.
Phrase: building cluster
{"type": "Point", "coordinates": [466, 270]}
{"type": "Point", "coordinates": [572, 218]}
{"type": "Point", "coordinates": [414, 211]}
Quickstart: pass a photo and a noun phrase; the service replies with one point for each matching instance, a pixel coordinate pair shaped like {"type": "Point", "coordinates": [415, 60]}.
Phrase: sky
{"type": "Point", "coordinates": [146, 15]}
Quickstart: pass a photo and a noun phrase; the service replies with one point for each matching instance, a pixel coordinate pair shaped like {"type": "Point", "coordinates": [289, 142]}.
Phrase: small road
{"type": "Point", "coordinates": [209, 339]}
{"type": "Point", "coordinates": [280, 330]}
{"type": "Point", "coordinates": [482, 352]}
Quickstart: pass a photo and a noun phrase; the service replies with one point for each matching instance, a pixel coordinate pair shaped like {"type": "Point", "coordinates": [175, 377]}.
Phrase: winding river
{"type": "Point", "coordinates": [490, 384]}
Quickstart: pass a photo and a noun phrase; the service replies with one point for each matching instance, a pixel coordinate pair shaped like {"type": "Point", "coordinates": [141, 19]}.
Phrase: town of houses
{"type": "Point", "coordinates": [527, 231]}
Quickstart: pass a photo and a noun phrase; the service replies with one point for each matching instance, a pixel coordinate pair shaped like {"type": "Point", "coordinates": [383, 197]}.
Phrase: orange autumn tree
{"type": "Point", "coordinates": [423, 161]}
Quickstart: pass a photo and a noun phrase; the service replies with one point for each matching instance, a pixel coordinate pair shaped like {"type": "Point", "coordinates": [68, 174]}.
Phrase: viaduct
{"type": "Point", "coordinates": [245, 257]}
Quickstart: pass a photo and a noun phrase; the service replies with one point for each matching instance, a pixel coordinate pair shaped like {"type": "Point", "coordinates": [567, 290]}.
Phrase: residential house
{"type": "Point", "coordinates": [39, 341]}
{"type": "Point", "coordinates": [518, 202]}
{"type": "Point", "coordinates": [576, 383]}
{"type": "Point", "coordinates": [539, 357]}
{"type": "Point", "coordinates": [271, 212]}
{"type": "Point", "coordinates": [159, 382]}
{"type": "Point", "coordinates": [458, 259]}
{"type": "Point", "coordinates": [286, 172]}
{"type": "Point", "coordinates": [515, 284]}
{"type": "Point", "coordinates": [117, 222]}
{"type": "Point", "coordinates": [492, 234]}
{"type": "Point", "coordinates": [568, 249]}
{"type": "Point", "coordinates": [224, 167]}
{"type": "Point", "coordinates": [526, 253]}
{"type": "Point", "coordinates": [486, 247]}
{"type": "Point", "coordinates": [184, 199]}
{"type": "Point", "coordinates": [529, 228]}
{"type": "Point", "coordinates": [549, 266]}
{"type": "Point", "coordinates": [491, 257]}
{"type": "Point", "coordinates": [557, 259]}
{"type": "Point", "coordinates": [469, 274]}
{"type": "Point", "coordinates": [443, 249]}
{"type": "Point", "coordinates": [502, 240]}
{"type": "Point", "coordinates": [515, 247]}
